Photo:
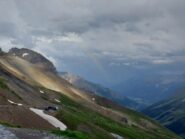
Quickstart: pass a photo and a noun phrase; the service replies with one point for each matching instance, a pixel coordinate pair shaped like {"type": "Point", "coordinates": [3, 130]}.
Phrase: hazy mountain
{"type": "Point", "coordinates": [148, 88]}
{"type": "Point", "coordinates": [170, 112]}
{"type": "Point", "coordinates": [86, 85]}
{"type": "Point", "coordinates": [102, 91]}
{"type": "Point", "coordinates": [29, 94]}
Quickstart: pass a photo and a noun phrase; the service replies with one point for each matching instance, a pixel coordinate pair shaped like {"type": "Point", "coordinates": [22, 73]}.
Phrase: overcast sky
{"type": "Point", "coordinates": [96, 37]}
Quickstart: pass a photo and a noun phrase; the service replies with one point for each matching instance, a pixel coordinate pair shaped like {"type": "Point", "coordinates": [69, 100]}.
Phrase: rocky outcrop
{"type": "Point", "coordinates": [6, 134]}
{"type": "Point", "coordinates": [34, 58]}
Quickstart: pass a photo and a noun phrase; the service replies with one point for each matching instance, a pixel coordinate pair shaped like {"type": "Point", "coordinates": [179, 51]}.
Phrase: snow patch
{"type": "Point", "coordinates": [19, 104]}
{"type": "Point", "coordinates": [57, 100]}
{"type": "Point", "coordinates": [93, 99]}
{"type": "Point", "coordinates": [117, 136]}
{"type": "Point", "coordinates": [52, 120]}
{"type": "Point", "coordinates": [25, 54]}
{"type": "Point", "coordinates": [42, 92]}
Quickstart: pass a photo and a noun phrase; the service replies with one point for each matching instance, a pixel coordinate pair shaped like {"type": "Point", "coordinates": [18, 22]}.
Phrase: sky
{"type": "Point", "coordinates": [102, 40]}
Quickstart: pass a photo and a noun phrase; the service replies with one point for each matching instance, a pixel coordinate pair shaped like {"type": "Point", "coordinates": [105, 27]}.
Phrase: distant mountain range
{"type": "Point", "coordinates": [102, 91]}
{"type": "Point", "coordinates": [34, 96]}
{"type": "Point", "coordinates": [148, 88]}
{"type": "Point", "coordinates": [170, 112]}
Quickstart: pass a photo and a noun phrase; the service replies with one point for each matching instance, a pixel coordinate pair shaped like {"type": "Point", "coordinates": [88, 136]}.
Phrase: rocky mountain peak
{"type": "Point", "coordinates": [70, 77]}
{"type": "Point", "coordinates": [34, 58]}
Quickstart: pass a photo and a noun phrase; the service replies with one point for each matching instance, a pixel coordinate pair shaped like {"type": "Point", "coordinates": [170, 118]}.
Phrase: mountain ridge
{"type": "Point", "coordinates": [102, 91]}
{"type": "Point", "coordinates": [25, 85]}
{"type": "Point", "coordinates": [170, 112]}
{"type": "Point", "coordinates": [34, 58]}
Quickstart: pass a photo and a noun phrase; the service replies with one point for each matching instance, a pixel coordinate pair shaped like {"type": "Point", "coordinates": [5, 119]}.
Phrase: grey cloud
{"type": "Point", "coordinates": [143, 30]}
{"type": "Point", "coordinates": [7, 29]}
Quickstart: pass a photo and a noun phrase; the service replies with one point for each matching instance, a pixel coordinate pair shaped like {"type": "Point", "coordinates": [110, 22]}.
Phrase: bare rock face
{"type": "Point", "coordinates": [34, 58]}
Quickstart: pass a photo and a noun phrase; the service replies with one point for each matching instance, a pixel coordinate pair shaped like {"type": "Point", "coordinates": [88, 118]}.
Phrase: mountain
{"type": "Point", "coordinates": [101, 91]}
{"type": "Point", "coordinates": [86, 85]}
{"type": "Point", "coordinates": [170, 112]}
{"type": "Point", "coordinates": [34, 58]}
{"type": "Point", "coordinates": [32, 97]}
{"type": "Point", "coordinates": [148, 88]}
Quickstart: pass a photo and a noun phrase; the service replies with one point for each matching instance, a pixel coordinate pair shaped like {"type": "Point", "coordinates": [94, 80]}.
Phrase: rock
{"type": "Point", "coordinates": [6, 134]}
{"type": "Point", "coordinates": [125, 120]}
{"type": "Point", "coordinates": [32, 134]}
{"type": "Point", "coordinates": [34, 58]}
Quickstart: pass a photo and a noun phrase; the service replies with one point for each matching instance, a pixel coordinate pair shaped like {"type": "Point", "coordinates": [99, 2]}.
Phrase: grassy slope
{"type": "Point", "coordinates": [3, 84]}
{"type": "Point", "coordinates": [80, 119]}
{"type": "Point", "coordinates": [87, 124]}
{"type": "Point", "coordinates": [170, 113]}
{"type": "Point", "coordinates": [84, 121]}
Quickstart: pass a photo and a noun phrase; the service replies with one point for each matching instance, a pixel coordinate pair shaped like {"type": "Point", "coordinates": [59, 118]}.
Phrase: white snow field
{"type": "Point", "coordinates": [52, 120]}
{"type": "Point", "coordinates": [25, 54]}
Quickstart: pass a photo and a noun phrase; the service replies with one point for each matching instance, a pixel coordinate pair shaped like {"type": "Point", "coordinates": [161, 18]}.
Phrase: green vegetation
{"type": "Point", "coordinates": [45, 97]}
{"type": "Point", "coordinates": [97, 126]}
{"type": "Point", "coordinates": [9, 125]}
{"type": "Point", "coordinates": [71, 134]}
{"type": "Point", "coordinates": [3, 84]}
{"type": "Point", "coordinates": [16, 95]}
{"type": "Point", "coordinates": [68, 102]}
